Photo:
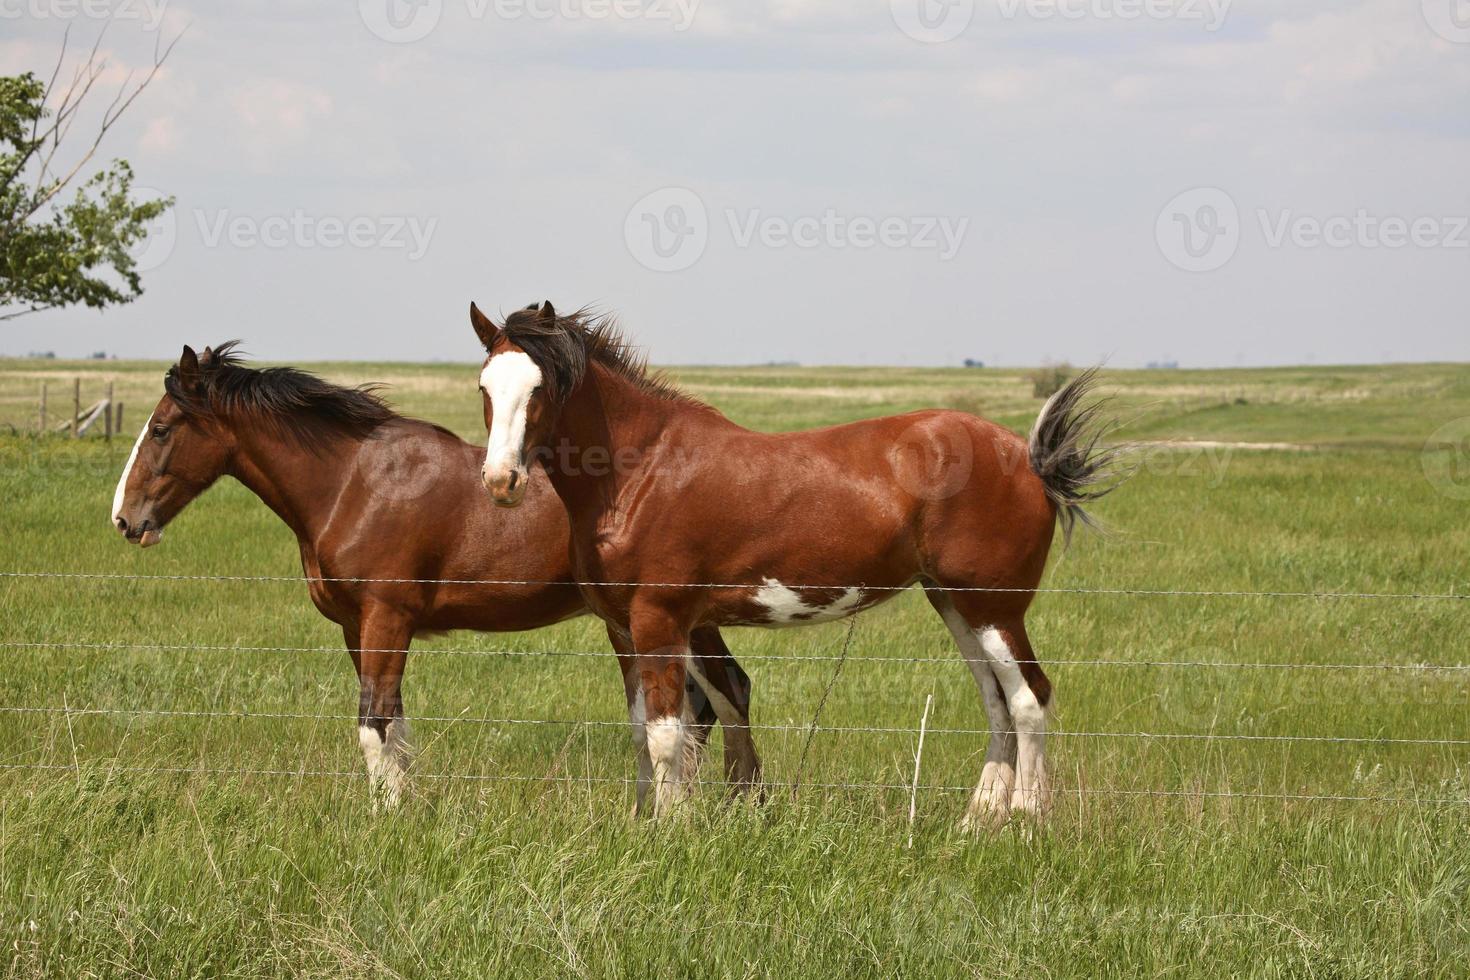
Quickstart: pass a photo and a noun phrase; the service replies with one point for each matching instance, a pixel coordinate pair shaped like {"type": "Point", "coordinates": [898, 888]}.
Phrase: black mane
{"type": "Point", "coordinates": [563, 346]}
{"type": "Point", "coordinates": [299, 401]}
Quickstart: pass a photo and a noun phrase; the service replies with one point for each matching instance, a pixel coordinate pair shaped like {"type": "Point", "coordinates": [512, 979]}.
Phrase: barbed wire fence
{"type": "Point", "coordinates": [809, 729]}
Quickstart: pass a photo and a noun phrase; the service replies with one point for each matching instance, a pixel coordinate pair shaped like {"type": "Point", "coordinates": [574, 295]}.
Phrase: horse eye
{"type": "Point", "coordinates": [536, 390]}
{"type": "Point", "coordinates": [160, 432]}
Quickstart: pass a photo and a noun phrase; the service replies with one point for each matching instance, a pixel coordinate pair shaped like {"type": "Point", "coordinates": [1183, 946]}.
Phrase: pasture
{"type": "Point", "coordinates": [192, 816]}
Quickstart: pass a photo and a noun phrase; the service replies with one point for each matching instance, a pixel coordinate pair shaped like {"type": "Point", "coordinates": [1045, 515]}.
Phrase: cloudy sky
{"type": "Point", "coordinates": [824, 181]}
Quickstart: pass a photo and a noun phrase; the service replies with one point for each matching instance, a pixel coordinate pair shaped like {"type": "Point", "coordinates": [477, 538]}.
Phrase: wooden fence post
{"type": "Point", "coordinates": [42, 429]}
{"type": "Point", "coordinates": [76, 407]}
{"type": "Point", "coordinates": [107, 421]}
{"type": "Point", "coordinates": [117, 419]}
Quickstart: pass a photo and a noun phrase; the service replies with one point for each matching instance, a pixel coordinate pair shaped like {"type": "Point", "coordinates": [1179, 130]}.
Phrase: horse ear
{"type": "Point", "coordinates": [484, 329]}
{"type": "Point", "coordinates": [548, 313]}
{"type": "Point", "coordinates": [188, 366]}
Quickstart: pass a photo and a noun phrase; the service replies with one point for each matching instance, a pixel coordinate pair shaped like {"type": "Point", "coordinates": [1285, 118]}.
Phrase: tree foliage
{"type": "Point", "coordinates": [56, 250]}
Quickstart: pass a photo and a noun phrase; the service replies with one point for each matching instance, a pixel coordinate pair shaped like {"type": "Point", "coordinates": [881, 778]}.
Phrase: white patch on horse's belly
{"type": "Point", "coordinates": [786, 606]}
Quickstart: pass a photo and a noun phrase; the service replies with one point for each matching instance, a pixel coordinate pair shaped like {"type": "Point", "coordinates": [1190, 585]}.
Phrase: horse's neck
{"type": "Point", "coordinates": [299, 484]}
{"type": "Point", "coordinates": [606, 414]}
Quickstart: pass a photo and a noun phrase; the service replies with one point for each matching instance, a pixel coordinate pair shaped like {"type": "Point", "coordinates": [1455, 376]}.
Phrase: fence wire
{"type": "Point", "coordinates": [812, 727]}
{"type": "Point", "coordinates": [572, 780]}
{"type": "Point", "coordinates": [745, 586]}
{"type": "Point", "coordinates": [1078, 791]}
{"type": "Point", "coordinates": [603, 654]}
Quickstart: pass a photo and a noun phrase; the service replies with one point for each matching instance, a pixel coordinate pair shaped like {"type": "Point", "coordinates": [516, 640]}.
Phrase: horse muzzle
{"type": "Point", "coordinates": [507, 487]}
{"type": "Point", "coordinates": [145, 533]}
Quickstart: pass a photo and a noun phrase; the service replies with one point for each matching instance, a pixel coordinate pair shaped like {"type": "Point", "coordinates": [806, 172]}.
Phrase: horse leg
{"type": "Point", "coordinates": [1027, 693]}
{"type": "Point", "coordinates": [991, 801]}
{"type": "Point", "coordinates": [662, 653]}
{"type": "Point", "coordinates": [726, 687]}
{"type": "Point", "coordinates": [382, 729]}
{"type": "Point", "coordinates": [622, 643]}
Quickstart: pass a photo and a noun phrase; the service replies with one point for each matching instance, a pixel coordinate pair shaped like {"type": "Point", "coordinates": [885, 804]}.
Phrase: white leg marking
{"type": "Point", "coordinates": [387, 759]}
{"type": "Point", "coordinates": [1032, 794]}
{"type": "Point", "coordinates": [120, 494]}
{"type": "Point", "coordinates": [991, 801]}
{"type": "Point", "coordinates": [666, 750]}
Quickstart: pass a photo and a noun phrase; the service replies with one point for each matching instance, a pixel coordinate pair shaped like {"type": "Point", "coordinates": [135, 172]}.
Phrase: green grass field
{"type": "Point", "coordinates": [532, 867]}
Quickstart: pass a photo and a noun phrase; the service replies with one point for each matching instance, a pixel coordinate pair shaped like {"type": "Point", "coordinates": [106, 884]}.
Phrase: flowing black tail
{"type": "Point", "coordinates": [1066, 455]}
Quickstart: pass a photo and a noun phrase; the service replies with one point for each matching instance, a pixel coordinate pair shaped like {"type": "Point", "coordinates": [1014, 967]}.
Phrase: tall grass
{"type": "Point", "coordinates": [533, 867]}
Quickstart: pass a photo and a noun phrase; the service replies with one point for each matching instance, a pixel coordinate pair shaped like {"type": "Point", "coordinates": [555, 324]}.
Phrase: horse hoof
{"type": "Point", "coordinates": [1032, 804]}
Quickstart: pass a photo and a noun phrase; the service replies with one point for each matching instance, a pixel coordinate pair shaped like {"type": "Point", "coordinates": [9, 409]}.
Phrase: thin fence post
{"type": "Point", "coordinates": [76, 407]}
{"type": "Point", "coordinates": [117, 419]}
{"type": "Point", "coordinates": [107, 415]}
{"type": "Point", "coordinates": [42, 420]}
{"type": "Point", "coordinates": [918, 761]}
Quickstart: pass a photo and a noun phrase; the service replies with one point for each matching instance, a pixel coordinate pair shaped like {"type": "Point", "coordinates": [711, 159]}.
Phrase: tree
{"type": "Point", "coordinates": [56, 252]}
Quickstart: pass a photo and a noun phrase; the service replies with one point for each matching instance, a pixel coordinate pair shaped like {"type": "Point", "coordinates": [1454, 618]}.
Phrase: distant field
{"type": "Point", "coordinates": [1160, 859]}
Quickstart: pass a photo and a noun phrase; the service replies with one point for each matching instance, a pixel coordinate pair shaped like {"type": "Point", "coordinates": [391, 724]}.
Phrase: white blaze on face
{"type": "Point", "coordinates": [122, 484]}
{"type": "Point", "coordinates": [509, 379]}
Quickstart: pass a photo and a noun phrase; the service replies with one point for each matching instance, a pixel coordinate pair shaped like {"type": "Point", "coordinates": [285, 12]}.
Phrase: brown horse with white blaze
{"type": "Point", "coordinates": [397, 538]}
{"type": "Point", "coordinates": [667, 498]}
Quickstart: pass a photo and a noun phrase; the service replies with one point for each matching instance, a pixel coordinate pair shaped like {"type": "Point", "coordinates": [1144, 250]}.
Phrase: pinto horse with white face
{"type": "Point", "coordinates": [397, 538]}
{"type": "Point", "coordinates": [682, 520]}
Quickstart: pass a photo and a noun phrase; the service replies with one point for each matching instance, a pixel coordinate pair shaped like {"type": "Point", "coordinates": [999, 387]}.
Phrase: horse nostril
{"type": "Point", "coordinates": [514, 479]}
{"type": "Point", "coordinates": [122, 524]}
